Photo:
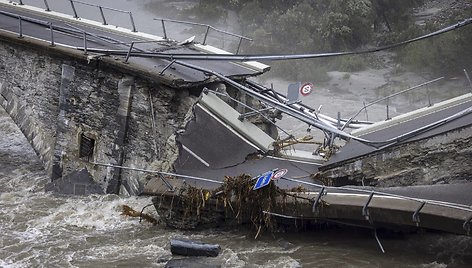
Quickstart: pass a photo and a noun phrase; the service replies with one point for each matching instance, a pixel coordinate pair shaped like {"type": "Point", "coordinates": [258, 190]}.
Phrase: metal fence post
{"type": "Point", "coordinates": [429, 97]}
{"type": "Point", "coordinates": [132, 21]}
{"type": "Point", "coordinates": [20, 27]}
{"type": "Point", "coordinates": [52, 34]}
{"type": "Point", "coordinates": [164, 28]}
{"type": "Point", "coordinates": [338, 123]}
{"type": "Point", "coordinates": [103, 15]}
{"type": "Point", "coordinates": [468, 78]}
{"type": "Point", "coordinates": [365, 208]}
{"type": "Point", "coordinates": [129, 52]}
{"type": "Point", "coordinates": [73, 9]}
{"type": "Point", "coordinates": [85, 43]}
{"type": "Point", "coordinates": [47, 5]}
{"type": "Point", "coordinates": [167, 67]}
{"type": "Point", "coordinates": [239, 45]}
{"type": "Point", "coordinates": [388, 114]}
{"type": "Point", "coordinates": [206, 34]}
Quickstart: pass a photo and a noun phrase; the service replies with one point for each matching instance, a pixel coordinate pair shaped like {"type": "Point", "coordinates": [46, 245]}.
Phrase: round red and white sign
{"type": "Point", "coordinates": [279, 173]}
{"type": "Point", "coordinates": [306, 89]}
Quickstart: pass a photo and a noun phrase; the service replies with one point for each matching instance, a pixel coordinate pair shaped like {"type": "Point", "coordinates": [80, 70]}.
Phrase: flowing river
{"type": "Point", "coordinates": [41, 229]}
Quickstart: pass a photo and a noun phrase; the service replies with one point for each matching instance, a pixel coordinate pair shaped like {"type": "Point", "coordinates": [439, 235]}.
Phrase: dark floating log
{"type": "Point", "coordinates": [192, 248]}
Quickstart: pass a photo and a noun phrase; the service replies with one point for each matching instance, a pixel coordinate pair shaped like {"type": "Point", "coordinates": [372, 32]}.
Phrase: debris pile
{"type": "Point", "coordinates": [235, 202]}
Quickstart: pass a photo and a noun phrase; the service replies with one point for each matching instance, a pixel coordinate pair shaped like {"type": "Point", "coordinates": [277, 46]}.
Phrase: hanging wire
{"type": "Point", "coordinates": [274, 57]}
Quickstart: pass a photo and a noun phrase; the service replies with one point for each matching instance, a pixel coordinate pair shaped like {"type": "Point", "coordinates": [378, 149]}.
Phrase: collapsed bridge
{"type": "Point", "coordinates": [103, 117]}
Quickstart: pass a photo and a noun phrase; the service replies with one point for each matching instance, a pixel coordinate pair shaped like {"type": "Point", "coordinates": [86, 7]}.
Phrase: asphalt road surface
{"type": "Point", "coordinates": [114, 40]}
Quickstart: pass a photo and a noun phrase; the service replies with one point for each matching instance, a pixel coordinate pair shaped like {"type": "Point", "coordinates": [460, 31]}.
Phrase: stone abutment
{"type": "Point", "coordinates": [75, 111]}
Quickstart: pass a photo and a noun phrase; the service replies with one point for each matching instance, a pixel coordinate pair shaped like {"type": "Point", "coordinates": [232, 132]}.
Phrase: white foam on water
{"type": "Point", "coordinates": [40, 229]}
{"type": "Point", "coordinates": [434, 265]}
{"type": "Point", "coordinates": [5, 264]}
{"type": "Point", "coordinates": [96, 212]}
{"type": "Point", "coordinates": [21, 257]}
{"type": "Point", "coordinates": [232, 259]}
{"type": "Point", "coordinates": [44, 229]}
{"type": "Point", "coordinates": [284, 261]}
{"type": "Point", "coordinates": [273, 250]}
{"type": "Point", "coordinates": [23, 181]}
{"type": "Point", "coordinates": [122, 250]}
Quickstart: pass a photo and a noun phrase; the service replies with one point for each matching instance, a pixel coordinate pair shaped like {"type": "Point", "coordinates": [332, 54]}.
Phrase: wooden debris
{"type": "Point", "coordinates": [128, 211]}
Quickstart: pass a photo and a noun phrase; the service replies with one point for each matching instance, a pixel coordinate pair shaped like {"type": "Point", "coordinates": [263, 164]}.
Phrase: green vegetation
{"type": "Point", "coordinates": [447, 54]}
{"type": "Point", "coordinates": [207, 11]}
{"type": "Point", "coordinates": [311, 26]}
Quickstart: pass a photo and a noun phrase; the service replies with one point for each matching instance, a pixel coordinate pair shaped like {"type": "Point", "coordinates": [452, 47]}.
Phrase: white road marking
{"type": "Point", "coordinates": [195, 155]}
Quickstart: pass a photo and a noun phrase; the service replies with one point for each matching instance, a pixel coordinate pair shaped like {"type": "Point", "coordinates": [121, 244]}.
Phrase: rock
{"type": "Point", "coordinates": [165, 258]}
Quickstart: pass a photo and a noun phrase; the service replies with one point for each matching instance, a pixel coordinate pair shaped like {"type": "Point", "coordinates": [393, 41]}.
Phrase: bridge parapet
{"type": "Point", "coordinates": [73, 112]}
{"type": "Point", "coordinates": [401, 119]}
{"type": "Point", "coordinates": [77, 108]}
{"type": "Point", "coordinates": [441, 158]}
{"type": "Point", "coordinates": [131, 32]}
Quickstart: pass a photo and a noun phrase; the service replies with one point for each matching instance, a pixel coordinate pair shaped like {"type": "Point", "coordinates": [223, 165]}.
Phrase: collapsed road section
{"type": "Point", "coordinates": [112, 110]}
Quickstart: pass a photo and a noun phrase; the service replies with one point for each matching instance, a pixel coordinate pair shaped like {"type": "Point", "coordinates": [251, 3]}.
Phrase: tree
{"type": "Point", "coordinates": [394, 13]}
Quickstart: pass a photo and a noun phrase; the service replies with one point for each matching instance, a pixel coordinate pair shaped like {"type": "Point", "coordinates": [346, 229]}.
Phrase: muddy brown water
{"type": "Point", "coordinates": [40, 229]}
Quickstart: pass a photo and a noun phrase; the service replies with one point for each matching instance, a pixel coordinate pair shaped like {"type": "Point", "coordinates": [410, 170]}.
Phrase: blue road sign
{"type": "Point", "coordinates": [263, 180]}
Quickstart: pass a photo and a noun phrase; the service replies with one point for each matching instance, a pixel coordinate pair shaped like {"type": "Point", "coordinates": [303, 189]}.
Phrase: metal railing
{"type": "Point", "coordinates": [55, 29]}
{"type": "Point", "coordinates": [415, 216]}
{"type": "Point", "coordinates": [22, 19]}
{"type": "Point", "coordinates": [100, 9]}
{"type": "Point", "coordinates": [468, 79]}
{"type": "Point", "coordinates": [46, 4]}
{"type": "Point", "coordinates": [387, 99]}
{"type": "Point", "coordinates": [104, 20]}
{"type": "Point", "coordinates": [131, 46]}
{"type": "Point", "coordinates": [325, 190]}
{"type": "Point", "coordinates": [207, 31]}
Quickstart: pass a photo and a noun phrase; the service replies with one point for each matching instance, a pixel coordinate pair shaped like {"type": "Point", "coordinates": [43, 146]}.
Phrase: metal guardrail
{"type": "Point", "coordinates": [85, 34]}
{"type": "Point", "coordinates": [74, 3]}
{"type": "Point", "coordinates": [324, 190]}
{"type": "Point", "coordinates": [370, 194]}
{"type": "Point", "coordinates": [72, 30]}
{"type": "Point", "coordinates": [387, 98]}
{"type": "Point", "coordinates": [54, 28]}
{"type": "Point", "coordinates": [208, 28]}
{"type": "Point", "coordinates": [46, 4]}
{"type": "Point", "coordinates": [158, 172]}
{"type": "Point", "coordinates": [468, 79]}
{"type": "Point", "coordinates": [100, 8]}
{"type": "Point", "coordinates": [21, 20]}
